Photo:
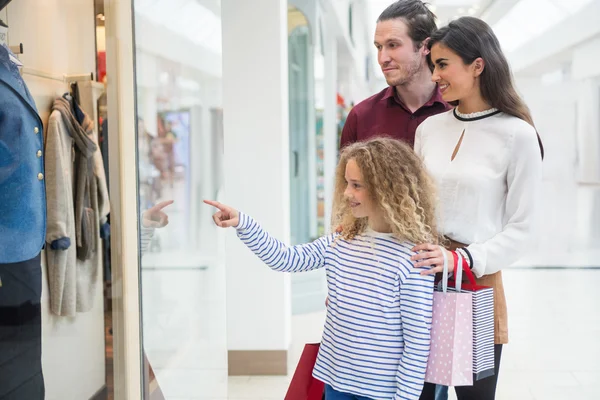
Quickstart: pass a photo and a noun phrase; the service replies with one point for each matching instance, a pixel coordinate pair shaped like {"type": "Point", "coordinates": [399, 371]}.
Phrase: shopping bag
{"type": "Point", "coordinates": [450, 361]}
{"type": "Point", "coordinates": [483, 323]}
{"type": "Point", "coordinates": [303, 385]}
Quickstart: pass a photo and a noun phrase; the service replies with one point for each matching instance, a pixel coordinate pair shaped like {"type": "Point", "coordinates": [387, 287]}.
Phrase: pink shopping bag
{"type": "Point", "coordinates": [450, 360]}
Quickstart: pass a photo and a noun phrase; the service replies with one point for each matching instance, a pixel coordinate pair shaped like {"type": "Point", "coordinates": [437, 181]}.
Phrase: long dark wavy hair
{"type": "Point", "coordinates": [472, 38]}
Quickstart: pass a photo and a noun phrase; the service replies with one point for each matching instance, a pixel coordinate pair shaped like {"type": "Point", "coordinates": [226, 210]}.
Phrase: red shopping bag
{"type": "Point", "coordinates": [303, 385]}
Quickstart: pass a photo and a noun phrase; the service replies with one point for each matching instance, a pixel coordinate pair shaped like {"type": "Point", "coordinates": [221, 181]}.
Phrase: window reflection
{"type": "Point", "coordinates": [180, 156]}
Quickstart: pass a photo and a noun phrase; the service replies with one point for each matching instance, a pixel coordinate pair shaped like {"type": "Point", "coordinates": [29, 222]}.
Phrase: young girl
{"type": "Point", "coordinates": [376, 338]}
{"type": "Point", "coordinates": [486, 159]}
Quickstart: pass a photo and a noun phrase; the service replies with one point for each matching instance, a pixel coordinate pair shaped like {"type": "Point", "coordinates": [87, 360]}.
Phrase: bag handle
{"type": "Point", "coordinates": [459, 260]}
{"type": "Point", "coordinates": [444, 270]}
{"type": "Point", "coordinates": [457, 271]}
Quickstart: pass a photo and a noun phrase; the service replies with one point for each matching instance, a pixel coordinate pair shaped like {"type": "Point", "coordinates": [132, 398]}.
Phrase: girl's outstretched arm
{"type": "Point", "coordinates": [271, 251]}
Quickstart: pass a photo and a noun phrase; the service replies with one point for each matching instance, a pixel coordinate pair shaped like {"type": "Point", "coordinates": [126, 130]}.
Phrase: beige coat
{"type": "Point", "coordinates": [73, 283]}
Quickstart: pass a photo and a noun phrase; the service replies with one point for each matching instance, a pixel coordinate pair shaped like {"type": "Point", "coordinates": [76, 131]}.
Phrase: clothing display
{"type": "Point", "coordinates": [22, 232]}
{"type": "Point", "coordinates": [22, 179]}
{"type": "Point", "coordinates": [77, 207]}
{"type": "Point", "coordinates": [376, 294]}
{"type": "Point", "coordinates": [21, 331]}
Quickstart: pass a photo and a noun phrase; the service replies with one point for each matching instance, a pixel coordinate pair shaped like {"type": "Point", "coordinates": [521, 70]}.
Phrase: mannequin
{"type": "Point", "coordinates": [3, 39]}
{"type": "Point", "coordinates": [4, 42]}
{"type": "Point", "coordinates": [3, 33]}
{"type": "Point", "coordinates": [22, 233]}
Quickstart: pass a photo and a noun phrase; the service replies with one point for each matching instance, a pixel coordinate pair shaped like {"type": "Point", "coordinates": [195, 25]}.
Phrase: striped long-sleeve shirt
{"type": "Point", "coordinates": [377, 331]}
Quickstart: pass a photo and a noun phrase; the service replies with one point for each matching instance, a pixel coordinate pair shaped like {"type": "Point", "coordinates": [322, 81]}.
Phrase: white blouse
{"type": "Point", "coordinates": [487, 194]}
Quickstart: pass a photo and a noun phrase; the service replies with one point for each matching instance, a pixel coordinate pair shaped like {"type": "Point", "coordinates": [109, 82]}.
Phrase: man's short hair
{"type": "Point", "coordinates": [416, 15]}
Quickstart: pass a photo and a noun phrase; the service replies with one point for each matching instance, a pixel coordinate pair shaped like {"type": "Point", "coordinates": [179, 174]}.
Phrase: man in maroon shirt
{"type": "Point", "coordinates": [401, 36]}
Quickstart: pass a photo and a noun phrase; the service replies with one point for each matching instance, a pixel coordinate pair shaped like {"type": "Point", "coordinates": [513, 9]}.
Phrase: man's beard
{"type": "Point", "coordinates": [408, 72]}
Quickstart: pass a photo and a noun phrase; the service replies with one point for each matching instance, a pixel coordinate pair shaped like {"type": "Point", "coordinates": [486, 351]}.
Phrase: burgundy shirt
{"type": "Point", "coordinates": [384, 115]}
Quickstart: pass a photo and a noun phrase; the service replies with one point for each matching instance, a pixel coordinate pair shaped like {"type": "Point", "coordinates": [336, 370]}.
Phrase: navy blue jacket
{"type": "Point", "coordinates": [22, 187]}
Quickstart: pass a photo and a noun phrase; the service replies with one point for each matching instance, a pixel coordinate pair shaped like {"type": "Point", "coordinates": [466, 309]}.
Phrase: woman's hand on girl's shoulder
{"type": "Point", "coordinates": [226, 216]}
{"type": "Point", "coordinates": [430, 255]}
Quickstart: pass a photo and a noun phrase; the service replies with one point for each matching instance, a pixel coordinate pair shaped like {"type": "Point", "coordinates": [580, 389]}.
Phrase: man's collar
{"type": "Point", "coordinates": [435, 98]}
{"type": "Point", "coordinates": [390, 92]}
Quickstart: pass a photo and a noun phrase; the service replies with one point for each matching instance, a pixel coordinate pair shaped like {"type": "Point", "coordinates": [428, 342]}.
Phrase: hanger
{"type": "Point", "coordinates": [4, 3]}
{"type": "Point", "coordinates": [74, 92]}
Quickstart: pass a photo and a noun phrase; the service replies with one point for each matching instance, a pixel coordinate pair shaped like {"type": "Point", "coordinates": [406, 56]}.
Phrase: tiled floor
{"type": "Point", "coordinates": [554, 353]}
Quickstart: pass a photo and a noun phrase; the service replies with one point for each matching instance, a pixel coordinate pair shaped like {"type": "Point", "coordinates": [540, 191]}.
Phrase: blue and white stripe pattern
{"type": "Point", "coordinates": [377, 331]}
{"type": "Point", "coordinates": [483, 332]}
{"type": "Point", "coordinates": [146, 235]}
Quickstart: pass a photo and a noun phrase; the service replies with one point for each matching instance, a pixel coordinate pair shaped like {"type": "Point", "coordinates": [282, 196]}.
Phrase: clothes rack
{"type": "Point", "coordinates": [63, 78]}
{"type": "Point", "coordinates": [41, 74]}
{"type": "Point", "coordinates": [17, 49]}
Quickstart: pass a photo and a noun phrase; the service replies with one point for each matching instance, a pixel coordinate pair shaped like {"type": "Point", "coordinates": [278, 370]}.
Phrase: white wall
{"type": "Point", "coordinates": [566, 114]}
{"type": "Point", "coordinates": [586, 60]}
{"type": "Point", "coordinates": [567, 211]}
{"type": "Point", "coordinates": [585, 69]}
{"type": "Point", "coordinates": [58, 38]}
{"type": "Point", "coordinates": [256, 167]}
{"type": "Point", "coordinates": [359, 86]}
{"type": "Point", "coordinates": [545, 49]}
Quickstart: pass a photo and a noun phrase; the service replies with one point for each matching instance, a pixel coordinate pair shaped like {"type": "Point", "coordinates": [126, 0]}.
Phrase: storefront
{"type": "Point", "coordinates": [146, 313]}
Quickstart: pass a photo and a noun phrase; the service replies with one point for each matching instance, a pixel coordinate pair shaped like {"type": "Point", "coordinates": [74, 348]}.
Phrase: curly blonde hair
{"type": "Point", "coordinates": [398, 183]}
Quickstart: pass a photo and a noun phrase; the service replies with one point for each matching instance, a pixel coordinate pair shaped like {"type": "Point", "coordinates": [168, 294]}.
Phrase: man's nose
{"type": "Point", "coordinates": [384, 57]}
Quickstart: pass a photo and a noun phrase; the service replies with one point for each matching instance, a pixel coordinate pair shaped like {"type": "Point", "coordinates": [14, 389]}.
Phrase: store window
{"type": "Point", "coordinates": [54, 204]}
{"type": "Point", "coordinates": [180, 163]}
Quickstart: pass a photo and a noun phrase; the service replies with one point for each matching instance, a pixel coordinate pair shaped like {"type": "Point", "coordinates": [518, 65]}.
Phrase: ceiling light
{"type": "Point", "coordinates": [461, 10]}
{"type": "Point", "coordinates": [472, 11]}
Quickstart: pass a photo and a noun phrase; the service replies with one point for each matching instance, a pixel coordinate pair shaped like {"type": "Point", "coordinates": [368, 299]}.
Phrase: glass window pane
{"type": "Point", "coordinates": [180, 161]}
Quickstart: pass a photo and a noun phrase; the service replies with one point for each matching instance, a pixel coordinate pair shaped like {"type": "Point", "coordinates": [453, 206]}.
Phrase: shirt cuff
{"type": "Point", "coordinates": [244, 221]}
{"type": "Point", "coordinates": [479, 259]}
{"type": "Point", "coordinates": [62, 243]}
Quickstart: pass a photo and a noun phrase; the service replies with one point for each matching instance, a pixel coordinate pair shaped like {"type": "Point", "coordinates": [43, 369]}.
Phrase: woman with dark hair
{"type": "Point", "coordinates": [486, 159]}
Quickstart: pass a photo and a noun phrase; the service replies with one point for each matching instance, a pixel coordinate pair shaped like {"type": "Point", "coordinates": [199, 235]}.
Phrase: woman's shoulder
{"type": "Point", "coordinates": [516, 124]}
{"type": "Point", "coordinates": [434, 122]}
{"type": "Point", "coordinates": [521, 132]}
{"type": "Point", "coordinates": [442, 117]}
